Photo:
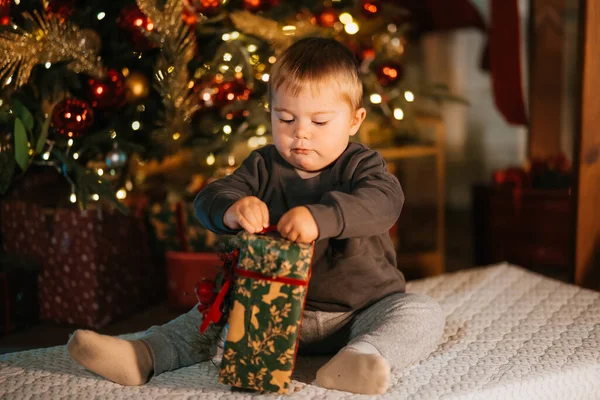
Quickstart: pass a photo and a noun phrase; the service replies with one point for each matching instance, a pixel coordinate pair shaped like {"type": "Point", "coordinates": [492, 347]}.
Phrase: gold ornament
{"type": "Point", "coordinates": [280, 37]}
{"type": "Point", "coordinates": [47, 41]}
{"type": "Point", "coordinates": [390, 44]}
{"type": "Point", "coordinates": [138, 87]}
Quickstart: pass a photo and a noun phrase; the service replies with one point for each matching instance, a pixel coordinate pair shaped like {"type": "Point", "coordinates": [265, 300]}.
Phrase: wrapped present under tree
{"type": "Point", "coordinates": [267, 302]}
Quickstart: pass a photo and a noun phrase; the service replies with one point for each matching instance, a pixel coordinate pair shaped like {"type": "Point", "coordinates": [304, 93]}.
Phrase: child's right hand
{"type": "Point", "coordinates": [249, 213]}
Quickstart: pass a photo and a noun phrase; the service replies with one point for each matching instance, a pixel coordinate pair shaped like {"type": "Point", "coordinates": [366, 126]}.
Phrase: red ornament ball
{"type": "Point", "coordinates": [134, 22]}
{"type": "Point", "coordinates": [217, 94]}
{"type": "Point", "coordinates": [328, 17]}
{"type": "Point", "coordinates": [72, 117]}
{"type": "Point", "coordinates": [61, 8]}
{"type": "Point", "coordinates": [259, 5]}
{"type": "Point", "coordinates": [107, 93]}
{"type": "Point", "coordinates": [362, 52]}
{"type": "Point", "coordinates": [389, 72]}
{"type": "Point", "coordinates": [235, 90]}
{"type": "Point", "coordinates": [191, 9]}
{"type": "Point", "coordinates": [205, 292]}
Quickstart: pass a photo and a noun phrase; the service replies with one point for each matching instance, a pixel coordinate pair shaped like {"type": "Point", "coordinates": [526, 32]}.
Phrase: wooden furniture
{"type": "Point", "coordinates": [586, 243]}
{"type": "Point", "coordinates": [547, 78]}
{"type": "Point", "coordinates": [428, 262]}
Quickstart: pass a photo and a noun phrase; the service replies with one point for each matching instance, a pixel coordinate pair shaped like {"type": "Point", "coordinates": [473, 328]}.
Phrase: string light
{"type": "Point", "coordinates": [375, 98]}
{"type": "Point", "coordinates": [346, 18]}
{"type": "Point", "coordinates": [101, 15]}
{"type": "Point", "coordinates": [95, 197]}
{"type": "Point", "coordinates": [210, 160]}
{"type": "Point", "coordinates": [351, 28]}
{"type": "Point", "coordinates": [121, 194]}
{"type": "Point", "coordinates": [272, 59]}
{"type": "Point", "coordinates": [251, 48]}
{"type": "Point", "coordinates": [135, 125]}
{"type": "Point", "coordinates": [48, 64]}
{"type": "Point", "coordinates": [265, 77]}
{"type": "Point", "coordinates": [253, 142]}
{"type": "Point", "coordinates": [231, 161]}
{"type": "Point", "coordinates": [409, 96]}
{"type": "Point", "coordinates": [46, 156]}
{"type": "Point", "coordinates": [73, 198]}
{"type": "Point", "coordinates": [235, 35]}
{"type": "Point", "coordinates": [113, 134]}
{"type": "Point", "coordinates": [261, 130]}
{"type": "Point", "coordinates": [227, 56]}
{"type": "Point", "coordinates": [226, 37]}
{"type": "Point", "coordinates": [289, 30]}
{"type": "Point", "coordinates": [70, 142]}
{"type": "Point", "coordinates": [398, 113]}
{"type": "Point", "coordinates": [227, 129]}
{"type": "Point", "coordinates": [176, 135]}
{"type": "Point", "coordinates": [100, 172]}
{"type": "Point", "coordinates": [75, 156]}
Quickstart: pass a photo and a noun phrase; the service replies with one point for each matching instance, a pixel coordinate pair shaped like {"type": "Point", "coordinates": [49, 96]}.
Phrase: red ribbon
{"type": "Point", "coordinates": [212, 313]}
{"type": "Point", "coordinates": [258, 275]}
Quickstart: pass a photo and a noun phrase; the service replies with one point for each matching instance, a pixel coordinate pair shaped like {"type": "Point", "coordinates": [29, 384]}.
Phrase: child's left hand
{"type": "Point", "coordinates": [298, 225]}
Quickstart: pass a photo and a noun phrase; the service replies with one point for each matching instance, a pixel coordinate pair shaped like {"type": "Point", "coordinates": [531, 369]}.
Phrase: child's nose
{"type": "Point", "coordinates": [302, 132]}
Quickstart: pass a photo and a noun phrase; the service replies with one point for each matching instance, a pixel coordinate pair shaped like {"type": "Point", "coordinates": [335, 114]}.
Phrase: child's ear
{"type": "Point", "coordinates": [357, 120]}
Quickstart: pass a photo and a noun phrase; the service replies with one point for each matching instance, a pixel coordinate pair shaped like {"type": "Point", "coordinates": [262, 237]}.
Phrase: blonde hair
{"type": "Point", "coordinates": [318, 61]}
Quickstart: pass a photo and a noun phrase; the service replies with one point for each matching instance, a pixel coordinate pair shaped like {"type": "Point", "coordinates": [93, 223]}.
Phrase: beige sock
{"type": "Point", "coordinates": [358, 368]}
{"type": "Point", "coordinates": [121, 361]}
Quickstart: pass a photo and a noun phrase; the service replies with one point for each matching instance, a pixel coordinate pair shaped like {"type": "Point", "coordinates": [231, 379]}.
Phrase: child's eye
{"type": "Point", "coordinates": [286, 121]}
{"type": "Point", "coordinates": [320, 123]}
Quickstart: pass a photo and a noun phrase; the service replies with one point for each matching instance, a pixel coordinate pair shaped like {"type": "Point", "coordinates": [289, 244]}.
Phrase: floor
{"type": "Point", "coordinates": [459, 255]}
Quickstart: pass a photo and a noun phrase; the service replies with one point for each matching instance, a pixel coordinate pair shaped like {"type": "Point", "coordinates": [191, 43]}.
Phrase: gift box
{"type": "Point", "coordinates": [267, 302]}
{"type": "Point", "coordinates": [96, 264]}
{"type": "Point", "coordinates": [184, 271]}
{"type": "Point", "coordinates": [188, 250]}
{"type": "Point", "coordinates": [525, 226]}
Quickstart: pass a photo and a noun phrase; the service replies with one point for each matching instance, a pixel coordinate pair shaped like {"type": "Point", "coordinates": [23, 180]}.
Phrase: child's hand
{"type": "Point", "coordinates": [298, 225]}
{"type": "Point", "coordinates": [249, 213]}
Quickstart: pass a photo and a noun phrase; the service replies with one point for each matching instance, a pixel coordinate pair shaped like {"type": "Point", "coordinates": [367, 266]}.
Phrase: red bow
{"type": "Point", "coordinates": [212, 313]}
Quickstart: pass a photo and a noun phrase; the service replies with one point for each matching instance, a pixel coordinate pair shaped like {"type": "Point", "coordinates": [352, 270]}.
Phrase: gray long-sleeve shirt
{"type": "Point", "coordinates": [354, 201]}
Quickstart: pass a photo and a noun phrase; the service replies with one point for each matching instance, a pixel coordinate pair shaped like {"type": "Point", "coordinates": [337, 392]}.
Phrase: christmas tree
{"type": "Point", "coordinates": [97, 89]}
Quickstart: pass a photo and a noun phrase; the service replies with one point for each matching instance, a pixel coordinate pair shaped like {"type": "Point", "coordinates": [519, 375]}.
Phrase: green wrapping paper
{"type": "Point", "coordinates": [267, 303]}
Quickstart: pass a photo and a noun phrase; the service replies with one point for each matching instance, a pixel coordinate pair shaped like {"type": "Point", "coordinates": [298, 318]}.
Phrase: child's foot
{"type": "Point", "coordinates": [118, 360]}
{"type": "Point", "coordinates": [357, 371]}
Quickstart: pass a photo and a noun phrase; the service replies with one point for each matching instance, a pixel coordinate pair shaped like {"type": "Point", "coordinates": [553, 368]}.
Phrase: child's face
{"type": "Point", "coordinates": [312, 130]}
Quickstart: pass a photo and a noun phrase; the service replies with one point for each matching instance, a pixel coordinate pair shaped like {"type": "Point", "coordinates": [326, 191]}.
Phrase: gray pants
{"type": "Point", "coordinates": [404, 327]}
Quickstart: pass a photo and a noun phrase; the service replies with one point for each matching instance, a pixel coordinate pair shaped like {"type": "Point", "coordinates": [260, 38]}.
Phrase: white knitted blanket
{"type": "Point", "coordinates": [510, 334]}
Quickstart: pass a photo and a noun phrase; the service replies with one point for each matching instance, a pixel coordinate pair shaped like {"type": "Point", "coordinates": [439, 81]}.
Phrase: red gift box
{"type": "Point", "coordinates": [184, 271]}
{"type": "Point", "coordinates": [96, 264]}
